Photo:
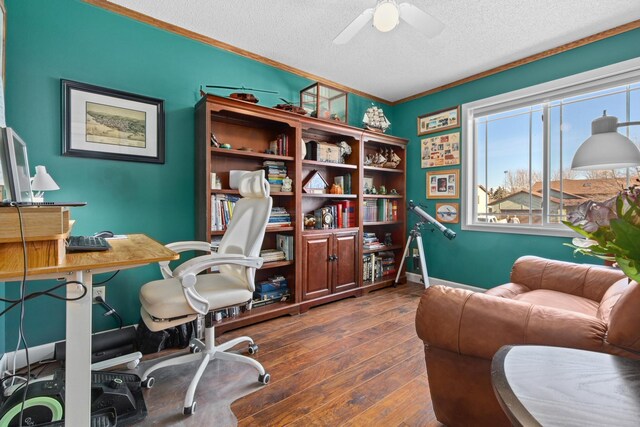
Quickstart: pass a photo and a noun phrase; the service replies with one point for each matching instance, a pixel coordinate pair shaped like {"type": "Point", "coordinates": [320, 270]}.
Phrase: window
{"type": "Point", "coordinates": [517, 174]}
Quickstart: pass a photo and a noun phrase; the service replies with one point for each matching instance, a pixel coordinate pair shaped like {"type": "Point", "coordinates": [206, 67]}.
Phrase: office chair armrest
{"type": "Point", "coordinates": [204, 262]}
{"type": "Point", "coordinates": [179, 247]}
{"type": "Point", "coordinates": [191, 245]}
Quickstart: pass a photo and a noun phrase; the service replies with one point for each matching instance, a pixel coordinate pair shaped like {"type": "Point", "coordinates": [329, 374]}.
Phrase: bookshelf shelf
{"type": "Point", "coordinates": [331, 196]}
{"type": "Point", "coordinates": [381, 196]}
{"type": "Point", "coordinates": [329, 165]}
{"type": "Point", "coordinates": [377, 169]}
{"type": "Point", "coordinates": [237, 193]}
{"type": "Point", "coordinates": [276, 264]}
{"type": "Point", "coordinates": [230, 152]}
{"type": "Point", "coordinates": [384, 248]}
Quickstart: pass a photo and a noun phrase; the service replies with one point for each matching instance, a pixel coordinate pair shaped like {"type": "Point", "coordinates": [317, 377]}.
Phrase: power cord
{"type": "Point", "coordinates": [106, 280]}
{"type": "Point", "coordinates": [110, 310]}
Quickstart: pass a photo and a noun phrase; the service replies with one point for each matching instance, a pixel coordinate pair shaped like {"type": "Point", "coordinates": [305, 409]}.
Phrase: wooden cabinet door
{"type": "Point", "coordinates": [346, 264]}
{"type": "Point", "coordinates": [316, 270]}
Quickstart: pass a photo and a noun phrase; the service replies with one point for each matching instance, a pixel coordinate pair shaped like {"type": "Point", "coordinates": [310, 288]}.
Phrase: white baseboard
{"type": "Point", "coordinates": [414, 277]}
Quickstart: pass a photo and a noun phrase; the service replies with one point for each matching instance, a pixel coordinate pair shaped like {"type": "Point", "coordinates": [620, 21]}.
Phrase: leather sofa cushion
{"type": "Point", "coordinates": [560, 300]}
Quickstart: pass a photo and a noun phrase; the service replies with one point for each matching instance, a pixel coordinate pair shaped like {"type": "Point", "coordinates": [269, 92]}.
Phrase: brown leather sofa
{"type": "Point", "coordinates": [546, 303]}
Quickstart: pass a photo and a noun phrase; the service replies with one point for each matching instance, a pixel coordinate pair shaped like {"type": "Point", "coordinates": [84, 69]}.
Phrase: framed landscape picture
{"type": "Point", "coordinates": [443, 184]}
{"type": "Point", "coordinates": [440, 120]}
{"type": "Point", "coordinates": [441, 150]}
{"type": "Point", "coordinates": [111, 124]}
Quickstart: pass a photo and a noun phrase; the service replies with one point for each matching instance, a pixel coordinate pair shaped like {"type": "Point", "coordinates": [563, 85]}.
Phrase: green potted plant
{"type": "Point", "coordinates": [610, 230]}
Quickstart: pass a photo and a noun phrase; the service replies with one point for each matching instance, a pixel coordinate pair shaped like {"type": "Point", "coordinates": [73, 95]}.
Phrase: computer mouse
{"type": "Point", "coordinates": [105, 234]}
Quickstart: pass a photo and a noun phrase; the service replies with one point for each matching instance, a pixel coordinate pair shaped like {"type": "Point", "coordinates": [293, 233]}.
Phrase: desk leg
{"type": "Point", "coordinates": [78, 362]}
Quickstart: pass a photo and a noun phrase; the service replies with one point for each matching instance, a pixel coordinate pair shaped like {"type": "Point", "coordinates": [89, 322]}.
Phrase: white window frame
{"type": "Point", "coordinates": [610, 76]}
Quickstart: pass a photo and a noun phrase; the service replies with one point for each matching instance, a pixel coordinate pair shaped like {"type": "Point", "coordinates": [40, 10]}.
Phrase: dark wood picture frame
{"type": "Point", "coordinates": [443, 184]}
{"type": "Point", "coordinates": [93, 125]}
{"type": "Point", "coordinates": [438, 121]}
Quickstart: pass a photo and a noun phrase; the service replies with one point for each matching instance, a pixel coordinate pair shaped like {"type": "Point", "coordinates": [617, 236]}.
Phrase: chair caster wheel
{"type": "Point", "coordinates": [194, 349]}
{"type": "Point", "coordinates": [133, 364]}
{"type": "Point", "coordinates": [253, 348]}
{"type": "Point", "coordinates": [264, 379]}
{"type": "Point", "coordinates": [148, 383]}
{"type": "Point", "coordinates": [189, 410]}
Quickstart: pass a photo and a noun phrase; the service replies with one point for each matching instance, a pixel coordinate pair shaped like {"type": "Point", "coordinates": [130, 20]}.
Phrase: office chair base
{"type": "Point", "coordinates": [205, 352]}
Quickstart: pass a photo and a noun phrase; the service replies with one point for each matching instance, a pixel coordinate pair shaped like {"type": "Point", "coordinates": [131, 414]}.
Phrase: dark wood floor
{"type": "Point", "coordinates": [354, 362]}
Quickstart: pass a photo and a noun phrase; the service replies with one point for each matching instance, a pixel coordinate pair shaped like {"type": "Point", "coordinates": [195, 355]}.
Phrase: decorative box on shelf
{"type": "Point", "coordinates": [324, 102]}
{"type": "Point", "coordinates": [323, 152]}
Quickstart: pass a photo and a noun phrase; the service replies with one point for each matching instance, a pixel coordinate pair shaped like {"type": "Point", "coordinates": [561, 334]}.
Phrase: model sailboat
{"type": "Point", "coordinates": [375, 120]}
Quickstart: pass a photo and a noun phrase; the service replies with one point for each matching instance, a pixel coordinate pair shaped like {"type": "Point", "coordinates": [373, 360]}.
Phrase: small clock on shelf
{"type": "Point", "coordinates": [448, 212]}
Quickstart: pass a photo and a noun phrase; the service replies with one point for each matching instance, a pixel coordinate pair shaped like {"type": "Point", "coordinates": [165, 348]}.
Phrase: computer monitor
{"type": "Point", "coordinates": [15, 167]}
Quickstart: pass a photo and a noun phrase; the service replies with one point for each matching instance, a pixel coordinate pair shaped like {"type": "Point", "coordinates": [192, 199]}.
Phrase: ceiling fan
{"type": "Point", "coordinates": [386, 16]}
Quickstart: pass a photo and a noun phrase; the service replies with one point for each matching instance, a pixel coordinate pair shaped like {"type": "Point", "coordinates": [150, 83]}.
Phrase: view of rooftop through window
{"type": "Point", "coordinates": [510, 165]}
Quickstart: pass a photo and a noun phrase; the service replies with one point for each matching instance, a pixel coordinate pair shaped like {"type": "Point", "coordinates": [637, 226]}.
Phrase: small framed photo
{"type": "Point", "coordinates": [440, 120]}
{"type": "Point", "coordinates": [367, 184]}
{"type": "Point", "coordinates": [443, 184]}
{"type": "Point", "coordinates": [110, 124]}
{"type": "Point", "coordinates": [448, 212]}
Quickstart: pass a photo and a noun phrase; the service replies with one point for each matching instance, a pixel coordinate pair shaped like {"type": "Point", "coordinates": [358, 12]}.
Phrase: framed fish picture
{"type": "Point", "coordinates": [110, 124]}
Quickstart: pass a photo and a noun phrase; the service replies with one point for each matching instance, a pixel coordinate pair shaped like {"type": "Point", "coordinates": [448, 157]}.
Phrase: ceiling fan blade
{"type": "Point", "coordinates": [353, 28]}
{"type": "Point", "coordinates": [420, 20]}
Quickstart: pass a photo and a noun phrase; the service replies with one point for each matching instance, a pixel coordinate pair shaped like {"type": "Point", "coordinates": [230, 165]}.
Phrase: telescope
{"type": "Point", "coordinates": [415, 234]}
{"type": "Point", "coordinates": [448, 233]}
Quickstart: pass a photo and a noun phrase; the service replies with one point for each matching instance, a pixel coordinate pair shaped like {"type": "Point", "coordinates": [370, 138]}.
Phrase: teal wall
{"type": "Point", "coordinates": [50, 40]}
{"type": "Point", "coordinates": [480, 258]}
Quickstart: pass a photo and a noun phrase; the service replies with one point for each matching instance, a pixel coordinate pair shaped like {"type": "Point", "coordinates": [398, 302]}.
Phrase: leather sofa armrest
{"type": "Point", "coordinates": [476, 324]}
{"type": "Point", "coordinates": [508, 290]}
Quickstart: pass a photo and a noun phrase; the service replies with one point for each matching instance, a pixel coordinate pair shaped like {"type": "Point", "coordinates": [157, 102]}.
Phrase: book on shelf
{"type": "Point", "coordinates": [378, 266]}
{"type": "Point", "coordinates": [276, 171]}
{"type": "Point", "coordinates": [380, 210]}
{"type": "Point", "coordinates": [272, 290]}
{"type": "Point", "coordinates": [280, 145]}
{"type": "Point", "coordinates": [272, 255]}
{"type": "Point", "coordinates": [284, 242]}
{"type": "Point", "coordinates": [279, 217]}
{"type": "Point", "coordinates": [342, 214]}
{"type": "Point", "coordinates": [222, 210]}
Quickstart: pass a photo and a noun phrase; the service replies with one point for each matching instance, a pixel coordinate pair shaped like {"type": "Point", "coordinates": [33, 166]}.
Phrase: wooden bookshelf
{"type": "Point", "coordinates": [327, 263]}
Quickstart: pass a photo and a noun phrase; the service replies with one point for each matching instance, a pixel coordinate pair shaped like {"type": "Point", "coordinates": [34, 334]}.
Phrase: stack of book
{"type": "Point", "coordinates": [378, 266]}
{"type": "Point", "coordinates": [284, 242]}
{"type": "Point", "coordinates": [276, 171]}
{"type": "Point", "coordinates": [370, 241]}
{"type": "Point", "coordinates": [272, 255]}
{"type": "Point", "coordinates": [272, 290]}
{"type": "Point", "coordinates": [280, 145]}
{"type": "Point", "coordinates": [222, 210]}
{"type": "Point", "coordinates": [279, 217]}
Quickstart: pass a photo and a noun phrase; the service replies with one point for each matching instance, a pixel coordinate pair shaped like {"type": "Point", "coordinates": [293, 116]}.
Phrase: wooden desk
{"type": "Point", "coordinates": [554, 386]}
{"type": "Point", "coordinates": [137, 250]}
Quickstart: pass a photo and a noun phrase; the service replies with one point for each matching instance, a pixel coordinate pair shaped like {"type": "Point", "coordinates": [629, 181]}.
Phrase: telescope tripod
{"type": "Point", "coordinates": [417, 235]}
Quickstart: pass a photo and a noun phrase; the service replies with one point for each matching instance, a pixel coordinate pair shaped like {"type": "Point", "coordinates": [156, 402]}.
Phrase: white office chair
{"type": "Point", "coordinates": [183, 294]}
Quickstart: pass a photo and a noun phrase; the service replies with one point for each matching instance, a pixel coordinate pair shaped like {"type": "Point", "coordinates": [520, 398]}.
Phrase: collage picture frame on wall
{"type": "Point", "coordinates": [444, 184]}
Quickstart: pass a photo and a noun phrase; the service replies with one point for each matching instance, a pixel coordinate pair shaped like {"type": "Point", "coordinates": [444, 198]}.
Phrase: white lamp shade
{"type": "Point", "coordinates": [606, 148]}
{"type": "Point", "coordinates": [386, 16]}
{"type": "Point", "coordinates": [42, 181]}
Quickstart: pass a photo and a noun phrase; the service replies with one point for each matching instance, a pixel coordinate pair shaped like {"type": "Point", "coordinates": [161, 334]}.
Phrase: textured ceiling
{"type": "Point", "coordinates": [478, 35]}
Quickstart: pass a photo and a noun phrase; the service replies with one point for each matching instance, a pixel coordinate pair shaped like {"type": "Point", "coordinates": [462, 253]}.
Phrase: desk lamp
{"type": "Point", "coordinates": [606, 148]}
{"type": "Point", "coordinates": [42, 182]}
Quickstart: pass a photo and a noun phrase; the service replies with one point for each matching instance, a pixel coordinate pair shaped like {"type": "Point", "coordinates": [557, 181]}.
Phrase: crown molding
{"type": "Point", "coordinates": [121, 10]}
{"type": "Point", "coordinates": [545, 54]}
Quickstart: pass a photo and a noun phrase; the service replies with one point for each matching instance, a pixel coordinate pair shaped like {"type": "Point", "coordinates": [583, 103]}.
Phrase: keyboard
{"type": "Point", "coordinates": [87, 243]}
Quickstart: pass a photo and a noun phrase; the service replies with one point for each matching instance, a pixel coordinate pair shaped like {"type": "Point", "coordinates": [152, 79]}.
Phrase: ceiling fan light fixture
{"type": "Point", "coordinates": [386, 16]}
